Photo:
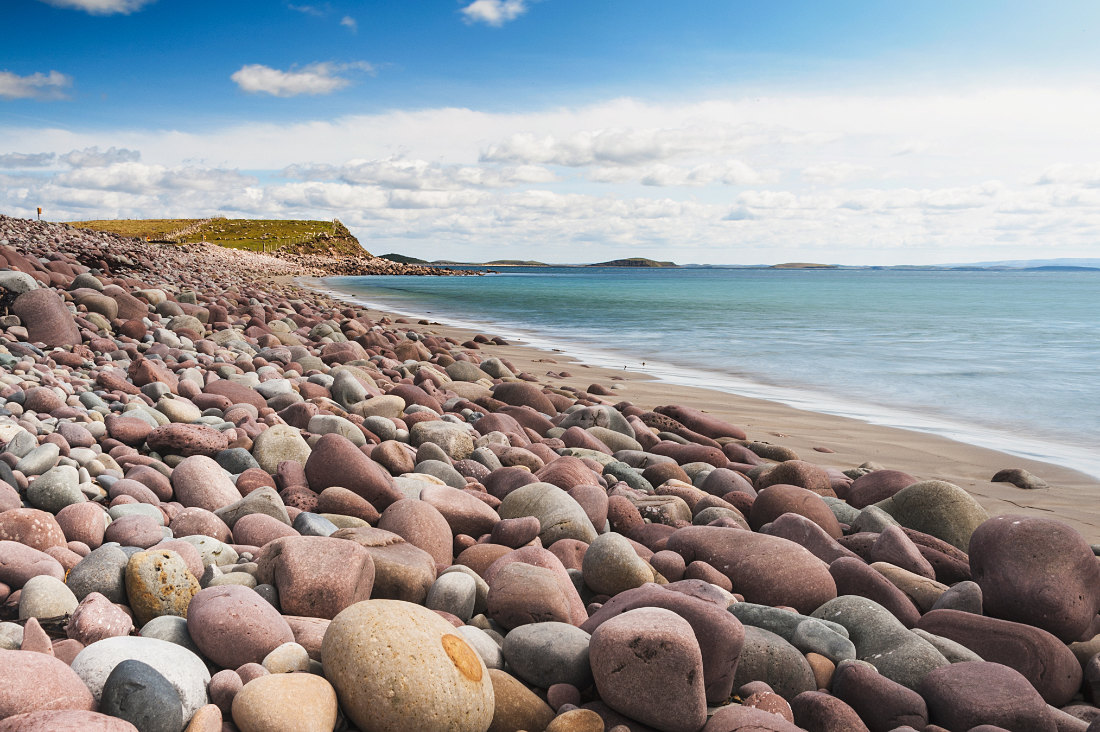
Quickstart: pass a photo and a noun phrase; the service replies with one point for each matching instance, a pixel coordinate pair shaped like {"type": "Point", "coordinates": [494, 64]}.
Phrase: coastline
{"type": "Point", "coordinates": [1070, 497]}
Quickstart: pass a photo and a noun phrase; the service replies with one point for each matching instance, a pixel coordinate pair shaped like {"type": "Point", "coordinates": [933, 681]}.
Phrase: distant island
{"type": "Point", "coordinates": [803, 265]}
{"type": "Point", "coordinates": [633, 262]}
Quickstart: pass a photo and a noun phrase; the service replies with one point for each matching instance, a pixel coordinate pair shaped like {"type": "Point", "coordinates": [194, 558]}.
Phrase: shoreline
{"type": "Point", "coordinates": [853, 441]}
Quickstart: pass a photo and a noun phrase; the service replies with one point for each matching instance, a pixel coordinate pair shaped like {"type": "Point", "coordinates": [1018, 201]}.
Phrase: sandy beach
{"type": "Point", "coordinates": [1073, 496]}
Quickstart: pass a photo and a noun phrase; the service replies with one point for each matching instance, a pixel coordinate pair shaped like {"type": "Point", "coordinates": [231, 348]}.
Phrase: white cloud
{"type": "Point", "coordinates": [26, 160]}
{"type": "Point", "coordinates": [350, 23]}
{"type": "Point", "coordinates": [315, 11]}
{"type": "Point", "coordinates": [101, 7]}
{"type": "Point", "coordinates": [727, 180]}
{"type": "Point", "coordinates": [93, 157]}
{"type": "Point", "coordinates": [33, 86]}
{"type": "Point", "coordinates": [494, 12]}
{"type": "Point", "coordinates": [318, 78]}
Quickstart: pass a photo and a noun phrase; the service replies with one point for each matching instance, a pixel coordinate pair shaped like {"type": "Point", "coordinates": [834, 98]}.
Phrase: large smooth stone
{"type": "Point", "coordinates": [965, 695]}
{"type": "Point", "coordinates": [939, 508]}
{"type": "Point", "coordinates": [721, 635]}
{"type": "Point", "coordinates": [316, 576]}
{"type": "Point", "coordinates": [232, 625]}
{"type": "Point", "coordinates": [47, 320]}
{"type": "Point", "coordinates": [737, 718]}
{"type": "Point", "coordinates": [882, 704]}
{"type": "Point", "coordinates": [183, 669]}
{"type": "Point", "coordinates": [336, 461]}
{"type": "Point", "coordinates": [559, 515]}
{"type": "Point", "coordinates": [32, 527]}
{"type": "Point", "coordinates": [46, 597]}
{"type": "Point", "coordinates": [464, 512]}
{"type": "Point", "coordinates": [647, 665]}
{"type": "Point", "coordinates": [278, 443]}
{"type": "Point", "coordinates": [766, 656]}
{"type": "Point", "coordinates": [138, 693]}
{"type": "Point", "coordinates": [375, 647]}
{"type": "Point", "coordinates": [779, 499]}
{"type": "Point", "coordinates": [422, 525]}
{"type": "Point", "coordinates": [402, 571]}
{"type": "Point", "coordinates": [1038, 572]}
{"type": "Point", "coordinates": [764, 569]}
{"type": "Point", "coordinates": [819, 711]}
{"type": "Point", "coordinates": [35, 682]}
{"type": "Point", "coordinates": [516, 706]}
{"type": "Point", "coordinates": [610, 565]}
{"type": "Point", "coordinates": [1043, 660]}
{"type": "Point", "coordinates": [96, 618]}
{"type": "Point", "coordinates": [544, 654]}
{"type": "Point", "coordinates": [187, 440]}
{"type": "Point", "coordinates": [19, 563]}
{"type": "Point", "coordinates": [878, 485]}
{"type": "Point", "coordinates": [198, 481]}
{"type": "Point", "coordinates": [66, 720]}
{"type": "Point", "coordinates": [299, 702]}
{"type": "Point", "coordinates": [882, 640]}
{"type": "Point", "coordinates": [102, 571]}
{"type": "Point", "coordinates": [455, 439]}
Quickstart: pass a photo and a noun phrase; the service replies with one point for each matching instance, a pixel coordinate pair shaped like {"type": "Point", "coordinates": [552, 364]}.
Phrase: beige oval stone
{"type": "Point", "coordinates": [290, 702]}
{"type": "Point", "coordinates": [399, 666]}
{"type": "Point", "coordinates": [159, 583]}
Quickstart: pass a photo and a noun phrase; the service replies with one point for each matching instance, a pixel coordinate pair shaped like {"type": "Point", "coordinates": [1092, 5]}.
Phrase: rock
{"type": "Point", "coordinates": [854, 577]}
{"type": "Point", "coordinates": [65, 721]}
{"type": "Point", "coordinates": [262, 500]}
{"type": "Point", "coordinates": [878, 485]}
{"type": "Point", "coordinates": [818, 711]}
{"type": "Point", "coordinates": [720, 634]}
{"type": "Point", "coordinates": [183, 669]}
{"type": "Point", "coordinates": [1043, 660]}
{"type": "Point", "coordinates": [559, 515]}
{"type": "Point", "coordinates": [882, 640]}
{"type": "Point", "coordinates": [1019, 478]}
{"type": "Point", "coordinates": [103, 571]}
{"type": "Point", "coordinates": [138, 693]}
{"type": "Point", "coordinates": [647, 664]}
{"type": "Point", "coordinates": [96, 618]}
{"type": "Point", "coordinates": [779, 499]}
{"type": "Point", "coordinates": [422, 525]}
{"type": "Point", "coordinates": [765, 569]}
{"type": "Point", "coordinates": [31, 527]}
{"type": "Point", "coordinates": [515, 706]}
{"type": "Point", "coordinates": [19, 563]}
{"type": "Point", "coordinates": [939, 508]}
{"type": "Point", "coordinates": [401, 571]}
{"type": "Point", "coordinates": [187, 440]}
{"type": "Point", "coordinates": [455, 440]}
{"type": "Point", "coordinates": [200, 482]}
{"type": "Point", "coordinates": [1037, 572]}
{"type": "Point", "coordinates": [287, 658]}
{"type": "Point", "coordinates": [55, 489]}
{"type": "Point", "coordinates": [376, 646]}
{"type": "Point", "coordinates": [523, 593]}
{"type": "Point", "coordinates": [766, 657]}
{"type": "Point", "coordinates": [47, 320]}
{"type": "Point", "coordinates": [316, 576]}
{"type": "Point", "coordinates": [32, 682]}
{"type": "Point", "coordinates": [134, 530]}
{"type": "Point", "coordinates": [232, 625]}
{"type": "Point", "coordinates": [158, 582]}
{"type": "Point", "coordinates": [544, 654]}
{"type": "Point", "coordinates": [454, 593]}
{"type": "Point", "coordinates": [278, 443]}
{"type": "Point", "coordinates": [45, 597]}
{"type": "Point", "coordinates": [965, 695]}
{"type": "Point", "coordinates": [463, 512]}
{"type": "Point", "coordinates": [736, 718]}
{"type": "Point", "coordinates": [882, 704]}
{"type": "Point", "coordinates": [335, 461]}
{"type": "Point", "coordinates": [299, 702]}
{"type": "Point", "coordinates": [611, 566]}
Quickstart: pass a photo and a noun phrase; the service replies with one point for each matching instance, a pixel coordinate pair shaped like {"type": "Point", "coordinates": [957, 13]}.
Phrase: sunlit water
{"type": "Point", "coordinates": [1009, 360]}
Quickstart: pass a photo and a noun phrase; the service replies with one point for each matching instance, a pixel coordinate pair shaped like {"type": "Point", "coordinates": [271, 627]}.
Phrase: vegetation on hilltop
{"type": "Point", "coordinates": [634, 262]}
{"type": "Point", "coordinates": [330, 238]}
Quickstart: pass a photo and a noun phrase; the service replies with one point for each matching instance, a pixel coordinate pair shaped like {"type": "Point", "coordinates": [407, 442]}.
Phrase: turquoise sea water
{"type": "Point", "coordinates": [1008, 360]}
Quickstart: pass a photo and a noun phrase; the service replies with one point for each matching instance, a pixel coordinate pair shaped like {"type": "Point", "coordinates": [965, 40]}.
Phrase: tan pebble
{"type": "Point", "coordinates": [285, 702]}
{"type": "Point", "coordinates": [207, 719]}
{"type": "Point", "coordinates": [577, 720]}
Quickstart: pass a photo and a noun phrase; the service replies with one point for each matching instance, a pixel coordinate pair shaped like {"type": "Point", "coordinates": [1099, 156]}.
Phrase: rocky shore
{"type": "Point", "coordinates": [231, 503]}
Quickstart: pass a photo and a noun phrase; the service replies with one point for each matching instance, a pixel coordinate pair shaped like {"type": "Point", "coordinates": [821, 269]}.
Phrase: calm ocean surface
{"type": "Point", "coordinates": [1008, 360]}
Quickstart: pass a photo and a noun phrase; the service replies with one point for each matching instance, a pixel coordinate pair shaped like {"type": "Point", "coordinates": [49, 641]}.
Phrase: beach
{"type": "Point", "coordinates": [232, 501]}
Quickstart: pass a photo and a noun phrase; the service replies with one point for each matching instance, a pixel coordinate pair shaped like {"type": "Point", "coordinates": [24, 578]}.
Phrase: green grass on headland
{"type": "Point", "coordinates": [255, 235]}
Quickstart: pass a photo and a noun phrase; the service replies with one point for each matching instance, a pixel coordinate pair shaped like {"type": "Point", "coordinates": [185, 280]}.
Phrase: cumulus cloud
{"type": "Point", "coordinates": [34, 86]}
{"type": "Point", "coordinates": [93, 157]}
{"type": "Point", "coordinates": [494, 12]}
{"type": "Point", "coordinates": [21, 161]}
{"type": "Point", "coordinates": [314, 10]}
{"type": "Point", "coordinates": [350, 23]}
{"type": "Point", "coordinates": [400, 173]}
{"type": "Point", "coordinates": [101, 7]}
{"type": "Point", "coordinates": [314, 79]}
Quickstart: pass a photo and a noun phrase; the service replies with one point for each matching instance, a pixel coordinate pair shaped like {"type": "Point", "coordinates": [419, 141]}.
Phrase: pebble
{"type": "Point", "coordinates": [285, 703]}
{"type": "Point", "coordinates": [38, 682]}
{"type": "Point", "coordinates": [316, 576]}
{"type": "Point", "coordinates": [232, 625]}
{"type": "Point", "coordinates": [158, 582]}
{"type": "Point", "coordinates": [548, 653]}
{"type": "Point", "coordinates": [46, 597]}
{"type": "Point", "coordinates": [136, 692]}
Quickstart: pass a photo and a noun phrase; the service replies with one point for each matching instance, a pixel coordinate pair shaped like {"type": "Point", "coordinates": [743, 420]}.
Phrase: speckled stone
{"type": "Point", "coordinates": [233, 625]}
{"type": "Point", "coordinates": [159, 583]}
{"type": "Point", "coordinates": [285, 702]}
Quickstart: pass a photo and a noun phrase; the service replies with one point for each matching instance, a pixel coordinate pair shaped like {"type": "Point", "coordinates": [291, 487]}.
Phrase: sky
{"type": "Point", "coordinates": [708, 131]}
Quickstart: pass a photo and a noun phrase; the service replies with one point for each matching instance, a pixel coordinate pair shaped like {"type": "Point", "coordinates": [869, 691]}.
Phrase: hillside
{"type": "Point", "coordinates": [633, 262]}
{"type": "Point", "coordinates": [326, 238]}
{"type": "Point", "coordinates": [802, 265]}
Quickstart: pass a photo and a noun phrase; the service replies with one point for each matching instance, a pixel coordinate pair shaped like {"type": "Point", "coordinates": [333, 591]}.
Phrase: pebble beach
{"type": "Point", "coordinates": [231, 501]}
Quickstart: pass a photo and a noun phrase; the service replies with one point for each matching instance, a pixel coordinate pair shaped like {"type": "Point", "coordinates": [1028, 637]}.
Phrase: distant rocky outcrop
{"type": "Point", "coordinates": [634, 262]}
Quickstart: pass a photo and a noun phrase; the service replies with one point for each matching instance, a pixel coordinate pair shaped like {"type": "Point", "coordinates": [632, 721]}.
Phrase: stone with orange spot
{"type": "Point", "coordinates": [159, 583]}
{"type": "Point", "coordinates": [398, 666]}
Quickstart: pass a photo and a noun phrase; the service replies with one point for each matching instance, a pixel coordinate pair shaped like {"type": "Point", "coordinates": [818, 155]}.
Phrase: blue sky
{"type": "Point", "coordinates": [565, 130]}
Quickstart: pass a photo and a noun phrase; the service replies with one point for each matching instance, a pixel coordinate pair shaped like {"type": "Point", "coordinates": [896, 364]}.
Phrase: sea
{"type": "Point", "coordinates": [1008, 360]}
